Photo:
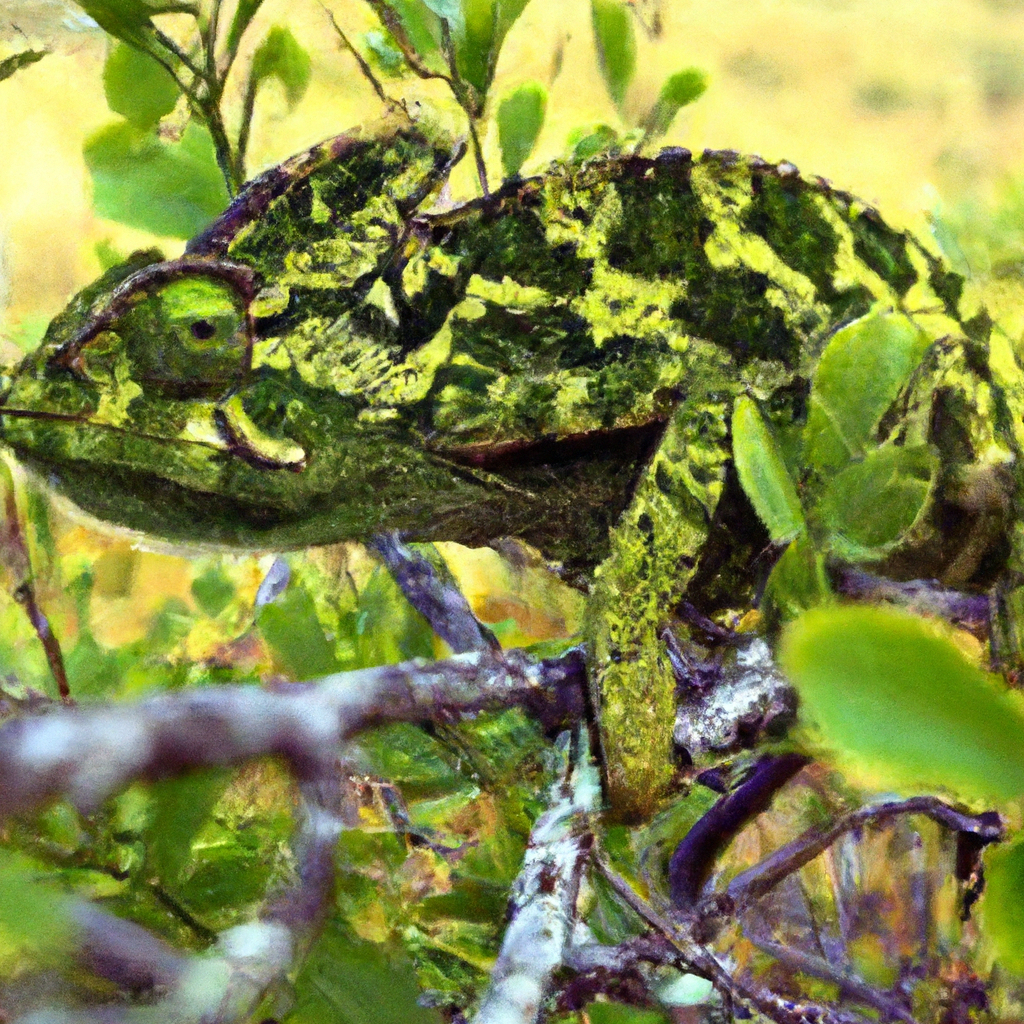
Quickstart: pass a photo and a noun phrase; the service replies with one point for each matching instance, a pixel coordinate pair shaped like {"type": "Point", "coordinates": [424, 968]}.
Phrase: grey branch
{"type": "Point", "coordinates": [87, 754]}
{"type": "Point", "coordinates": [754, 883]}
{"type": "Point", "coordinates": [543, 903]}
{"type": "Point", "coordinates": [435, 595]}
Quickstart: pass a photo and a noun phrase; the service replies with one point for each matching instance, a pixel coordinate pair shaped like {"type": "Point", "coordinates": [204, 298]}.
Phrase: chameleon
{"type": "Point", "coordinates": [341, 354]}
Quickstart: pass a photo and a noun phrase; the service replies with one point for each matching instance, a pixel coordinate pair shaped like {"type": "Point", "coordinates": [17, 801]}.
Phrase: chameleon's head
{"type": "Point", "coordinates": [142, 406]}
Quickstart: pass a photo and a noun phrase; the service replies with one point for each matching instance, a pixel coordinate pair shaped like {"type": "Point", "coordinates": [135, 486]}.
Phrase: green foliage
{"type": "Point", "coordinates": [244, 13]}
{"type": "Point", "coordinates": [127, 20]}
{"type": "Point", "coordinates": [295, 635]}
{"type": "Point", "coordinates": [894, 698]}
{"type": "Point", "coordinates": [169, 188]}
{"type": "Point", "coordinates": [870, 505]}
{"type": "Point", "coordinates": [180, 808]}
{"type": "Point", "coordinates": [858, 377]}
{"type": "Point", "coordinates": [763, 474]}
{"type": "Point", "coordinates": [14, 63]}
{"type": "Point", "coordinates": [1002, 907]}
{"type": "Point", "coordinates": [679, 90]}
{"type": "Point", "coordinates": [858, 498]}
{"type": "Point", "coordinates": [348, 981]}
{"type": "Point", "coordinates": [520, 118]}
{"type": "Point", "coordinates": [34, 912]}
{"type": "Point", "coordinates": [281, 56]}
{"type": "Point", "coordinates": [138, 87]}
{"type": "Point", "coordinates": [619, 1013]}
{"type": "Point", "coordinates": [616, 45]}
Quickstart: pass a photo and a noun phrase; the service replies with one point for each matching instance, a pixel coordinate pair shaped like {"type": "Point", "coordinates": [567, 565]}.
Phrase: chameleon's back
{"type": "Point", "coordinates": [502, 368]}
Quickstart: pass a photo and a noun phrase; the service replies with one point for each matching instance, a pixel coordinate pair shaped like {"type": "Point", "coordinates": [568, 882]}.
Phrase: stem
{"type": "Point", "coordinates": [754, 883]}
{"type": "Point", "coordinates": [364, 67]}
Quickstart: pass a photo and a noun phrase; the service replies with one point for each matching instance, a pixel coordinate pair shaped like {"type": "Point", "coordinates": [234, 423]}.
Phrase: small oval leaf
{"type": "Point", "coordinates": [870, 506]}
{"type": "Point", "coordinates": [616, 45]}
{"type": "Point", "coordinates": [895, 700]}
{"type": "Point", "coordinates": [137, 87]}
{"type": "Point", "coordinates": [281, 56]}
{"type": "Point", "coordinates": [763, 474]}
{"type": "Point", "coordinates": [172, 189]}
{"type": "Point", "coordinates": [859, 375]}
{"type": "Point", "coordinates": [679, 90]}
{"type": "Point", "coordinates": [520, 118]}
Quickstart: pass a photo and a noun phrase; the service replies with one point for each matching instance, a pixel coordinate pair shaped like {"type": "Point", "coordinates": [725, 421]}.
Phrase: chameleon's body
{"type": "Point", "coordinates": [556, 363]}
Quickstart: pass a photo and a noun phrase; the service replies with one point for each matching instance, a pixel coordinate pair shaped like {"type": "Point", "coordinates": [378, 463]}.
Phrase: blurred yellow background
{"type": "Point", "coordinates": [894, 100]}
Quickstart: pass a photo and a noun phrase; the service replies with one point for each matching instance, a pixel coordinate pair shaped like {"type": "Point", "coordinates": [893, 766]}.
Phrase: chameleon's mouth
{"type": "Point", "coordinates": [235, 435]}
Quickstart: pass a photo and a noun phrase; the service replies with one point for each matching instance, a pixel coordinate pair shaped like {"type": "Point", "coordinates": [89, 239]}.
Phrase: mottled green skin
{"type": "Point", "coordinates": [556, 363]}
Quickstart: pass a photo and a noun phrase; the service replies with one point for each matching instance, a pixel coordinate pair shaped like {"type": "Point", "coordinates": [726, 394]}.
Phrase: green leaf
{"type": "Point", "coordinates": [34, 912]}
{"type": "Point", "coordinates": [450, 11]}
{"type": "Point", "coordinates": [619, 1013]}
{"type": "Point", "coordinates": [19, 61]}
{"type": "Point", "coordinates": [126, 20]}
{"type": "Point", "coordinates": [860, 374]}
{"type": "Point", "coordinates": [584, 143]}
{"type": "Point", "coordinates": [763, 474]}
{"type": "Point", "coordinates": [169, 188]}
{"type": "Point", "coordinates": [616, 45]}
{"type": "Point", "coordinates": [137, 87]}
{"type": "Point", "coordinates": [479, 42]}
{"type": "Point", "coordinates": [383, 54]}
{"type": "Point", "coordinates": [871, 505]}
{"type": "Point", "coordinates": [281, 56]}
{"type": "Point", "coordinates": [180, 808]}
{"type": "Point", "coordinates": [422, 28]}
{"type": "Point", "coordinates": [520, 117]}
{"type": "Point", "coordinates": [292, 629]}
{"type": "Point", "coordinates": [797, 582]}
{"type": "Point", "coordinates": [213, 591]}
{"type": "Point", "coordinates": [346, 981]}
{"type": "Point", "coordinates": [1002, 908]}
{"type": "Point", "coordinates": [895, 699]}
{"type": "Point", "coordinates": [679, 90]}
{"type": "Point", "coordinates": [244, 13]}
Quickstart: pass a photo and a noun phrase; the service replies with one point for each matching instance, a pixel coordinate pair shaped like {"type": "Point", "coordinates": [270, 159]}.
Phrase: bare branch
{"type": "Point", "coordinates": [364, 67]}
{"type": "Point", "coordinates": [754, 883]}
{"type": "Point", "coordinates": [542, 909]}
{"type": "Point", "coordinates": [850, 986]}
{"type": "Point", "coordinates": [435, 596]}
{"type": "Point", "coordinates": [972, 612]}
{"type": "Point", "coordinates": [696, 854]}
{"type": "Point", "coordinates": [86, 754]}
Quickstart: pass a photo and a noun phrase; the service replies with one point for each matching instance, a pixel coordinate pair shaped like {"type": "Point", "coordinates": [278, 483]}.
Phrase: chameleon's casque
{"type": "Point", "coordinates": [556, 362]}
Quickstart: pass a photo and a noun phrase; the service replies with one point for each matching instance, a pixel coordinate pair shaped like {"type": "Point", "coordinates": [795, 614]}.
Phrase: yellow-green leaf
{"type": "Point", "coordinates": [520, 117]}
{"type": "Point", "coordinates": [859, 375]}
{"type": "Point", "coordinates": [616, 45]}
{"type": "Point", "coordinates": [896, 700]}
{"type": "Point", "coordinates": [763, 474]}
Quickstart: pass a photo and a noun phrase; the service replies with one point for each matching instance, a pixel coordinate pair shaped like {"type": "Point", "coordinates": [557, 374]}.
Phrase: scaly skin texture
{"type": "Point", "coordinates": [556, 363]}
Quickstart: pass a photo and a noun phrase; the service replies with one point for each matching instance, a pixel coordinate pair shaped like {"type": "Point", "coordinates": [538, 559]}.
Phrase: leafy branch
{"type": "Point", "coordinates": [148, 73]}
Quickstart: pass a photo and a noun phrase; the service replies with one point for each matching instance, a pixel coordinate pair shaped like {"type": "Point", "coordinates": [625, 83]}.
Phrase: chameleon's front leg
{"type": "Point", "coordinates": [654, 551]}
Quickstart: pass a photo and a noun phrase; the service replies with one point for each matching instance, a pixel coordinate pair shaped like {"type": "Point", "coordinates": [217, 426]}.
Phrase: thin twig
{"type": "Point", "coordinates": [850, 987]}
{"type": "Point", "coordinates": [364, 67]}
{"type": "Point", "coordinates": [435, 595]}
{"type": "Point", "coordinates": [754, 883]}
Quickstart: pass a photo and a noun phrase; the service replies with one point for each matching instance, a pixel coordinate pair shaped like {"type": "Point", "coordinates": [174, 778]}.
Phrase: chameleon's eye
{"type": "Point", "coordinates": [203, 330]}
{"type": "Point", "coordinates": [182, 327]}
